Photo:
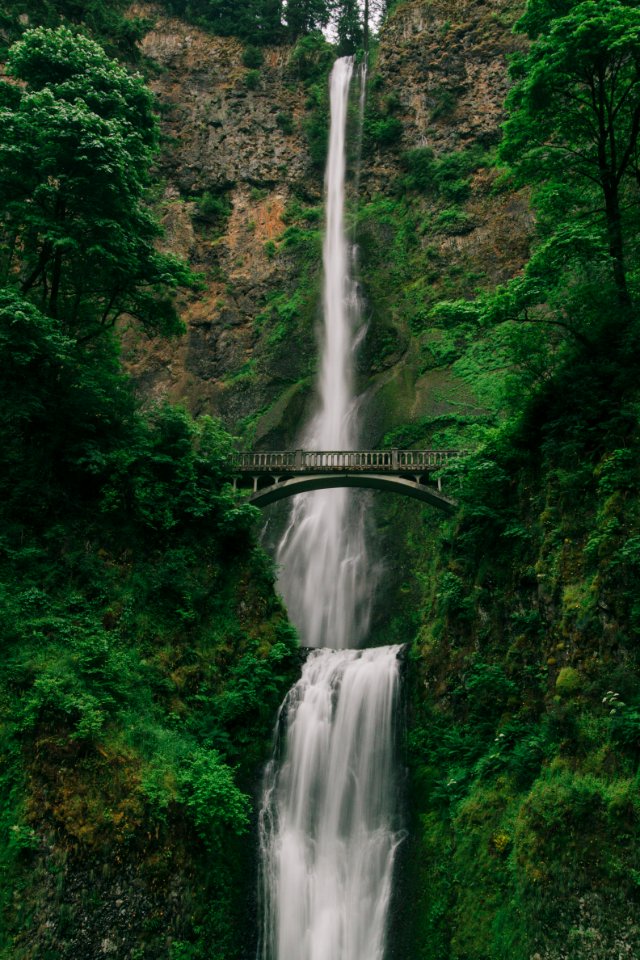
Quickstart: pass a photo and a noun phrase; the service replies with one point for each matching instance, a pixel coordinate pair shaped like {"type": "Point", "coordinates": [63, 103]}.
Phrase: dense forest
{"type": "Point", "coordinates": [145, 652]}
{"type": "Point", "coordinates": [257, 21]}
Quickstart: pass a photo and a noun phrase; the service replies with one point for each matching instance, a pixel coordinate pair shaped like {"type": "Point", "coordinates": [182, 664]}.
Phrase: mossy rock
{"type": "Point", "coordinates": [569, 682]}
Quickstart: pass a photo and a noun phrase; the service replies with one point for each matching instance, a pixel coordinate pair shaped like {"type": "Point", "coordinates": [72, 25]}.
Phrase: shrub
{"type": "Point", "coordinates": [384, 131]}
{"type": "Point", "coordinates": [285, 122]}
{"type": "Point", "coordinates": [454, 222]}
{"type": "Point", "coordinates": [252, 57]}
{"type": "Point", "coordinates": [214, 207]}
{"type": "Point", "coordinates": [568, 682]}
{"type": "Point", "coordinates": [252, 79]}
{"type": "Point", "coordinates": [421, 166]}
{"type": "Point", "coordinates": [312, 57]}
{"type": "Point", "coordinates": [212, 798]}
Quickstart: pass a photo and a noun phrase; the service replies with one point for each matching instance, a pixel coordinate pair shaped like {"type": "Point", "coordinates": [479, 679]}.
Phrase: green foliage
{"type": "Point", "coordinates": [104, 20]}
{"type": "Point", "coordinates": [145, 652]}
{"type": "Point", "coordinates": [212, 797]}
{"type": "Point", "coordinates": [454, 222]}
{"type": "Point", "coordinates": [289, 313]}
{"type": "Point", "coordinates": [568, 681]}
{"type": "Point", "coordinates": [312, 58]}
{"type": "Point", "coordinates": [575, 112]}
{"type": "Point", "coordinates": [285, 123]}
{"type": "Point", "coordinates": [315, 126]}
{"type": "Point", "coordinates": [258, 21]}
{"type": "Point", "coordinates": [350, 28]}
{"type": "Point", "coordinates": [305, 17]}
{"type": "Point", "coordinates": [447, 176]}
{"type": "Point", "coordinates": [252, 57]}
{"type": "Point", "coordinates": [214, 209]}
{"type": "Point", "coordinates": [76, 147]}
{"type": "Point", "coordinates": [252, 79]}
{"type": "Point", "coordinates": [523, 717]}
{"type": "Point", "coordinates": [383, 131]}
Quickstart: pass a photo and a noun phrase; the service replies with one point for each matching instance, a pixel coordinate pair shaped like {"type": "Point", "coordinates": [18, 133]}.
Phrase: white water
{"type": "Point", "coordinates": [326, 578]}
{"type": "Point", "coordinates": [327, 826]}
{"type": "Point", "coordinates": [328, 821]}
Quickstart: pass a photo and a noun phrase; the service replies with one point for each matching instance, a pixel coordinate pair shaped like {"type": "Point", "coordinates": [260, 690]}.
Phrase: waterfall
{"type": "Point", "coordinates": [328, 834]}
{"type": "Point", "coordinates": [325, 577]}
{"type": "Point", "coordinates": [328, 819]}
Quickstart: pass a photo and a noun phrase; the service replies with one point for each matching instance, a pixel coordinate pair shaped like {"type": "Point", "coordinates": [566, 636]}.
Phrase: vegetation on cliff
{"type": "Point", "coordinates": [525, 713]}
{"type": "Point", "coordinates": [144, 651]}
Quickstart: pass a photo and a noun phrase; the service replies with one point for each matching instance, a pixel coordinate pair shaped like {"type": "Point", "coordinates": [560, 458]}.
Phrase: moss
{"type": "Point", "coordinates": [569, 682]}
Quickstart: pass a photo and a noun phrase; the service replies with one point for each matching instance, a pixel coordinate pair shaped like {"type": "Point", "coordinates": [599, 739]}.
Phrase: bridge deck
{"type": "Point", "coordinates": [296, 462]}
{"type": "Point", "coordinates": [277, 474]}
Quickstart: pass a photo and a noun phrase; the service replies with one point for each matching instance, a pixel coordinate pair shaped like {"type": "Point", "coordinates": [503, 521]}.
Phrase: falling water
{"type": "Point", "coordinates": [327, 825]}
{"type": "Point", "coordinates": [328, 820]}
{"type": "Point", "coordinates": [325, 577]}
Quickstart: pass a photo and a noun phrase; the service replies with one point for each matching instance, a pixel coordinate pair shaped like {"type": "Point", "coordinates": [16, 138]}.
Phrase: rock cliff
{"type": "Point", "coordinates": [240, 197]}
{"type": "Point", "coordinates": [234, 159]}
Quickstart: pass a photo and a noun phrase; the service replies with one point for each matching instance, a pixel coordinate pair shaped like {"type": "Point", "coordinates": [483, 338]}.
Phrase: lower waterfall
{"type": "Point", "coordinates": [329, 820]}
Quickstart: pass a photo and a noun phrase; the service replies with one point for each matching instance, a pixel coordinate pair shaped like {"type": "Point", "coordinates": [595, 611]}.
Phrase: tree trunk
{"type": "Point", "coordinates": [43, 259]}
{"type": "Point", "coordinates": [616, 240]}
{"type": "Point", "coordinates": [55, 283]}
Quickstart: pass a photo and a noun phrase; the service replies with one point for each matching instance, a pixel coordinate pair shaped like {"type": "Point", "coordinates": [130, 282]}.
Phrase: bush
{"type": "Point", "coordinates": [252, 79]}
{"type": "Point", "coordinates": [252, 57]}
{"type": "Point", "coordinates": [316, 127]}
{"type": "Point", "coordinates": [312, 58]}
{"type": "Point", "coordinates": [421, 166]}
{"type": "Point", "coordinates": [212, 798]}
{"type": "Point", "coordinates": [384, 131]}
{"type": "Point", "coordinates": [568, 682]}
{"type": "Point", "coordinates": [214, 208]}
{"type": "Point", "coordinates": [446, 176]}
{"type": "Point", "coordinates": [454, 222]}
{"type": "Point", "coordinates": [285, 122]}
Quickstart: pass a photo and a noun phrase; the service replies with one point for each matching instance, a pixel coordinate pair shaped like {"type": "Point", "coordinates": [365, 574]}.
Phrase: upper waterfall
{"type": "Point", "coordinates": [325, 576]}
{"type": "Point", "coordinates": [334, 427]}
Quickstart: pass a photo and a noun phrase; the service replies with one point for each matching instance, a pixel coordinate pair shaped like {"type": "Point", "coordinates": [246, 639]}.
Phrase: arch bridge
{"type": "Point", "coordinates": [274, 475]}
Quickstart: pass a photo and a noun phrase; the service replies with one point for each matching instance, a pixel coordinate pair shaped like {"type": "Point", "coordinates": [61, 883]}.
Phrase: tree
{"type": "Point", "coordinates": [102, 19]}
{"type": "Point", "coordinates": [77, 138]}
{"type": "Point", "coordinates": [259, 21]}
{"type": "Point", "coordinates": [305, 16]}
{"type": "Point", "coordinates": [349, 26]}
{"type": "Point", "coordinates": [575, 110]}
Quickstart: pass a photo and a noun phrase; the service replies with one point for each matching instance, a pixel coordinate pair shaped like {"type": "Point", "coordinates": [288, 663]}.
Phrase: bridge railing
{"type": "Point", "coordinates": [280, 459]}
{"type": "Point", "coordinates": [314, 461]}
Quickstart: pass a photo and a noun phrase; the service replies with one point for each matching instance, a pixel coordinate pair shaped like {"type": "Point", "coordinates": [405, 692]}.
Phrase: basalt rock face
{"type": "Point", "coordinates": [438, 87]}
{"type": "Point", "coordinates": [234, 157]}
{"type": "Point", "coordinates": [446, 60]}
{"type": "Point", "coordinates": [236, 162]}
